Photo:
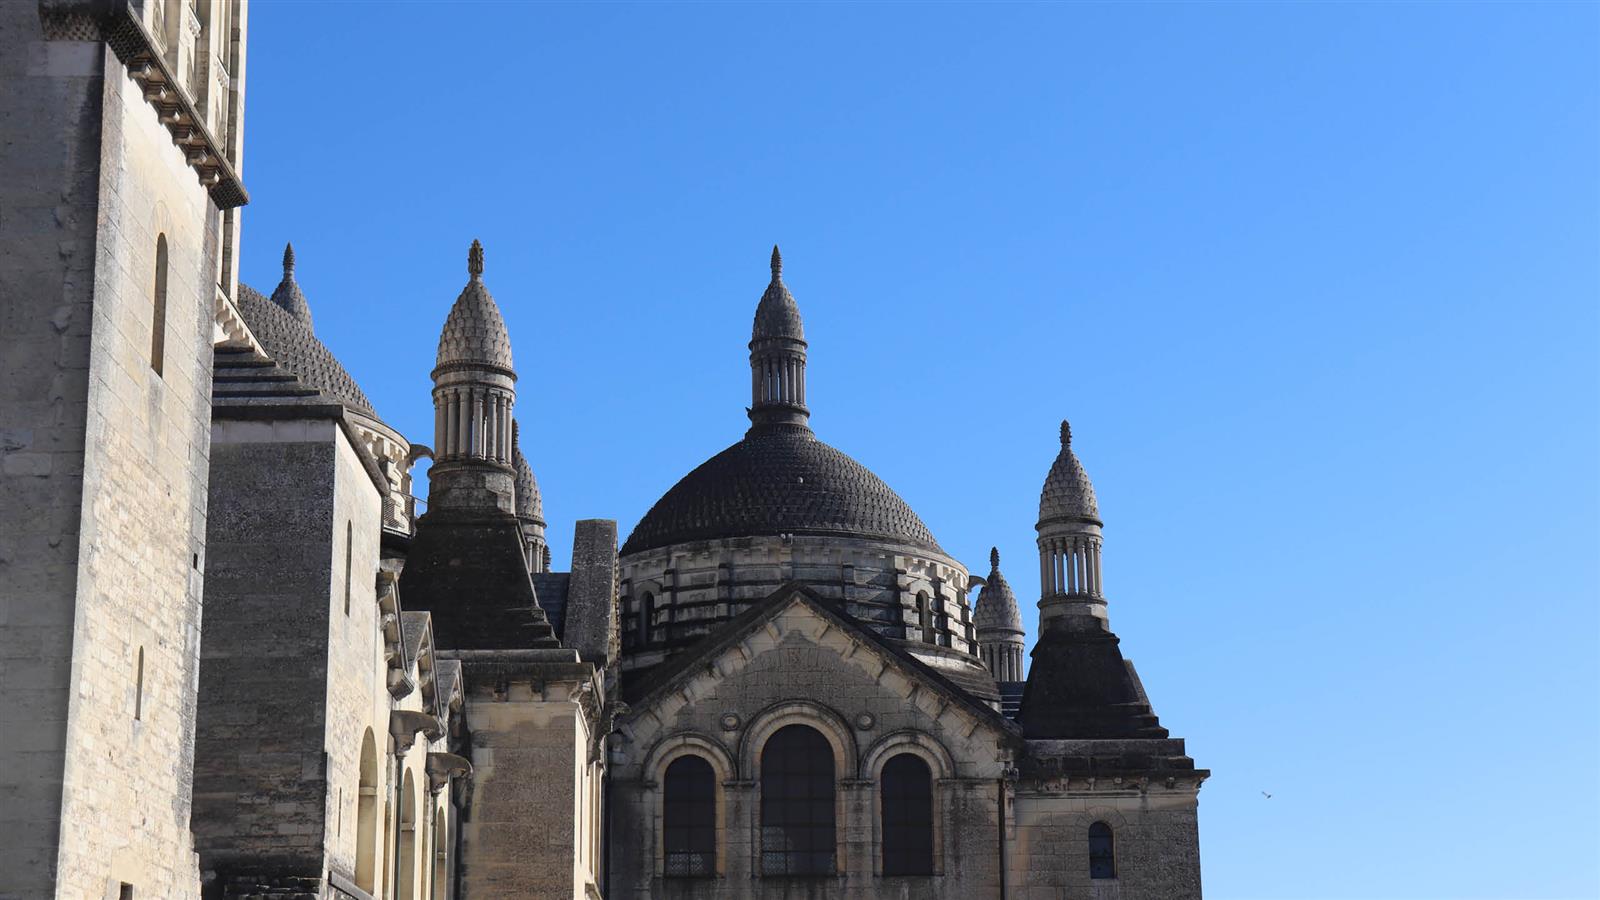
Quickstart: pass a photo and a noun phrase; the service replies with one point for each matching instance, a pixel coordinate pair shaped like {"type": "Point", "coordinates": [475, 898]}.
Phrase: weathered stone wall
{"type": "Point", "coordinates": [802, 669]}
{"type": "Point", "coordinates": [1157, 842]}
{"type": "Point", "coordinates": [530, 752]}
{"type": "Point", "coordinates": [96, 179]}
{"type": "Point", "coordinates": [50, 101]}
{"type": "Point", "coordinates": [259, 769]}
{"type": "Point", "coordinates": [699, 585]}
{"type": "Point", "coordinates": [358, 699]}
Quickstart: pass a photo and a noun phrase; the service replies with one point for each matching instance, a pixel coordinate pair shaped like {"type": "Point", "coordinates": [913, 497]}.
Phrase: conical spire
{"type": "Point", "coordinates": [997, 603]}
{"type": "Point", "coordinates": [288, 295]}
{"type": "Point", "coordinates": [777, 264]}
{"type": "Point", "coordinates": [530, 505]}
{"type": "Point", "coordinates": [474, 333]}
{"type": "Point", "coordinates": [1068, 494]}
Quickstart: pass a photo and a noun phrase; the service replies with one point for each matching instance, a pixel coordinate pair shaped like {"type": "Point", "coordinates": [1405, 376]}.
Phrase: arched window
{"type": "Point", "coordinates": [406, 885]}
{"type": "Point", "coordinates": [367, 814]}
{"type": "Point", "coordinates": [797, 807]}
{"type": "Point", "coordinates": [907, 797]}
{"type": "Point", "coordinates": [349, 539]}
{"type": "Point", "coordinates": [924, 617]}
{"type": "Point", "coordinates": [1102, 851]}
{"type": "Point", "coordinates": [689, 820]}
{"type": "Point", "coordinates": [138, 687]}
{"type": "Point", "coordinates": [158, 317]}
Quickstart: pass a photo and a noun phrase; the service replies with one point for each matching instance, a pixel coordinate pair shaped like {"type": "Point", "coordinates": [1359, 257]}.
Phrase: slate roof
{"type": "Point", "coordinates": [779, 480]}
{"type": "Point", "coordinates": [551, 589]}
{"type": "Point", "coordinates": [291, 344]}
{"type": "Point", "coordinates": [997, 604]}
{"type": "Point", "coordinates": [1068, 493]}
{"type": "Point", "coordinates": [474, 333]}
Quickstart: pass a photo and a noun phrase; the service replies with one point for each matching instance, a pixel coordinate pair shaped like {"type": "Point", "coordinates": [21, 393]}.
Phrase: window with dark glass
{"type": "Point", "coordinates": [1102, 851]}
{"type": "Point", "coordinates": [158, 312]}
{"type": "Point", "coordinates": [690, 818]}
{"type": "Point", "coordinates": [907, 797]}
{"type": "Point", "coordinates": [797, 812]}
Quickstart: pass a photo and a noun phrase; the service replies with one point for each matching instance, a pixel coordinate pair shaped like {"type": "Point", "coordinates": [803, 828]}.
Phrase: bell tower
{"type": "Point", "coordinates": [474, 390]}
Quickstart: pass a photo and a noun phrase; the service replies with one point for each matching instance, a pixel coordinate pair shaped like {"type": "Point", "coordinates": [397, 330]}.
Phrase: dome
{"type": "Point", "coordinates": [1068, 493]}
{"type": "Point", "coordinates": [779, 480]}
{"type": "Point", "coordinates": [288, 295]}
{"type": "Point", "coordinates": [290, 343]}
{"type": "Point", "coordinates": [997, 605]}
{"type": "Point", "coordinates": [529, 504]}
{"type": "Point", "coordinates": [474, 333]}
{"type": "Point", "coordinates": [777, 315]}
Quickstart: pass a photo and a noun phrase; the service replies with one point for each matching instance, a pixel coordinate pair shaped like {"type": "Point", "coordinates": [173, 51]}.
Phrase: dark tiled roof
{"type": "Point", "coordinates": [551, 588]}
{"type": "Point", "coordinates": [997, 604]}
{"type": "Point", "coordinates": [1067, 493]}
{"type": "Point", "coordinates": [779, 480]}
{"type": "Point", "coordinates": [1079, 686]}
{"type": "Point", "coordinates": [291, 344]}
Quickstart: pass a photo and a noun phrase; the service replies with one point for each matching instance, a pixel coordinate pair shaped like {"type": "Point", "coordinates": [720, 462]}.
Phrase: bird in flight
{"type": "Point", "coordinates": [1266, 795]}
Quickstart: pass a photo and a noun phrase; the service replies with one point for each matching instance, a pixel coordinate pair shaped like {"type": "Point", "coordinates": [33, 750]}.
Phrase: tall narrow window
{"type": "Point", "coordinates": [125, 891]}
{"type": "Point", "coordinates": [138, 687]}
{"type": "Point", "coordinates": [924, 618]}
{"type": "Point", "coordinates": [689, 818]}
{"type": "Point", "coordinates": [367, 814]}
{"type": "Point", "coordinates": [797, 806]}
{"type": "Point", "coordinates": [349, 534]}
{"type": "Point", "coordinates": [1102, 851]}
{"type": "Point", "coordinates": [647, 612]}
{"type": "Point", "coordinates": [158, 317]}
{"type": "Point", "coordinates": [907, 796]}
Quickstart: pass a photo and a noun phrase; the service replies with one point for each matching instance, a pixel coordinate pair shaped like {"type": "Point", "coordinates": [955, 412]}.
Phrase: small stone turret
{"type": "Point", "coordinates": [474, 390]}
{"type": "Point", "coordinates": [288, 294]}
{"type": "Point", "coordinates": [778, 356]}
{"type": "Point", "coordinates": [1069, 539]}
{"type": "Point", "coordinates": [999, 625]}
{"type": "Point", "coordinates": [530, 506]}
{"type": "Point", "coordinates": [1079, 686]}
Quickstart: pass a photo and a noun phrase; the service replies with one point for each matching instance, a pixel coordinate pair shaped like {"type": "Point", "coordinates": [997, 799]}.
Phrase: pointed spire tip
{"type": "Point", "coordinates": [1066, 434]}
{"type": "Point", "coordinates": [475, 259]}
{"type": "Point", "coordinates": [777, 263]}
{"type": "Point", "coordinates": [288, 258]}
{"type": "Point", "coordinates": [994, 557]}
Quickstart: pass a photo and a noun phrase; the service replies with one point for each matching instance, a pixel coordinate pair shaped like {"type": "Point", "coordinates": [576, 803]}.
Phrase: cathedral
{"type": "Point", "coordinates": [243, 660]}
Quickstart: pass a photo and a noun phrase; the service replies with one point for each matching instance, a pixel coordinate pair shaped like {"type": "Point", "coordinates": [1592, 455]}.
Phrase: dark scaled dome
{"type": "Point", "coordinates": [474, 333]}
{"type": "Point", "coordinates": [289, 341]}
{"type": "Point", "coordinates": [779, 480]}
{"type": "Point", "coordinates": [1068, 494]}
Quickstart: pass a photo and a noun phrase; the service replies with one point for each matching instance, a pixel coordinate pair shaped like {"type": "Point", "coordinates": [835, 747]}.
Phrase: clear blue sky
{"type": "Point", "coordinates": [1316, 285]}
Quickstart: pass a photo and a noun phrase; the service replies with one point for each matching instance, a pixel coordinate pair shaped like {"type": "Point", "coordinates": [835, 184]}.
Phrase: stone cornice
{"type": "Point", "coordinates": [118, 24]}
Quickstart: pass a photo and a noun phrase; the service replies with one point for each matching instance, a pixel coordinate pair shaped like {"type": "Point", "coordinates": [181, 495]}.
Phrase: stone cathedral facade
{"type": "Point", "coordinates": [242, 660]}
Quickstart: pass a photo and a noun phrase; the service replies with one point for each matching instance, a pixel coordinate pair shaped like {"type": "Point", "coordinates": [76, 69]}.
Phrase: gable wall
{"type": "Point", "coordinates": [801, 668]}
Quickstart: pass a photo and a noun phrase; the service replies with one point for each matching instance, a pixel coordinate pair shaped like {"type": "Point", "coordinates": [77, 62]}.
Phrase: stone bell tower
{"type": "Point", "coordinates": [474, 390]}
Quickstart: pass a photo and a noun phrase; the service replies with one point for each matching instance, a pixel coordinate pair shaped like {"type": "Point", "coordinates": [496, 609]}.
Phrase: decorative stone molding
{"type": "Point", "coordinates": [118, 24]}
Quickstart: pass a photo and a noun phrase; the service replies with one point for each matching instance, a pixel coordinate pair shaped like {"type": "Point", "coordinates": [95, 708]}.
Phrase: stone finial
{"type": "Point", "coordinates": [475, 259]}
{"type": "Point", "coordinates": [994, 557]}
{"type": "Point", "coordinates": [777, 264]}
{"type": "Point", "coordinates": [1066, 434]}
{"type": "Point", "coordinates": [288, 258]}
